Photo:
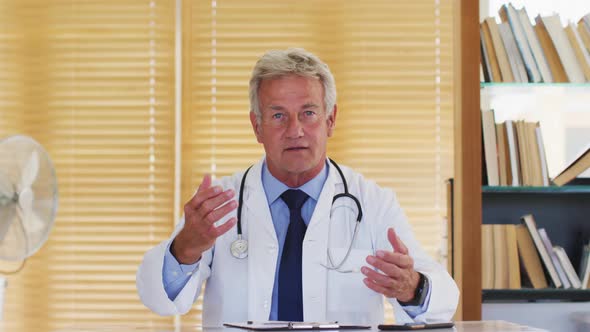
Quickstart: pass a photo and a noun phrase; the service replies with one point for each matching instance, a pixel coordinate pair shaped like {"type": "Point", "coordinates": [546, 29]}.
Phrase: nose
{"type": "Point", "coordinates": [294, 128]}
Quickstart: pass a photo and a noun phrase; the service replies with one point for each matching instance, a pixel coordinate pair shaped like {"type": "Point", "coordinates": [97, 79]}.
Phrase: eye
{"type": "Point", "coordinates": [277, 116]}
{"type": "Point", "coordinates": [309, 113]}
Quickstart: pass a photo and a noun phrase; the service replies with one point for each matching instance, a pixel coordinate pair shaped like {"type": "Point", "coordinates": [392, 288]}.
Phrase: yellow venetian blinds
{"type": "Point", "coordinates": [93, 82]}
{"type": "Point", "coordinates": [392, 64]}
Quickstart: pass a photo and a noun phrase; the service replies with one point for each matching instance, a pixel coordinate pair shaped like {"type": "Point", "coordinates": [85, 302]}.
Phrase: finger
{"type": "Point", "coordinates": [401, 260]}
{"type": "Point", "coordinates": [396, 242]}
{"type": "Point", "coordinates": [199, 197]}
{"type": "Point", "coordinates": [215, 202]}
{"type": "Point", "coordinates": [206, 183]}
{"type": "Point", "coordinates": [388, 268]}
{"type": "Point", "coordinates": [378, 288]}
{"type": "Point", "coordinates": [223, 228]}
{"type": "Point", "coordinates": [215, 215]}
{"type": "Point", "coordinates": [377, 277]}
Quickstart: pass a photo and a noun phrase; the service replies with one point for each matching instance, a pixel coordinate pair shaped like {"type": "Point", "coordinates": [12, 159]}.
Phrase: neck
{"type": "Point", "coordinates": [294, 180]}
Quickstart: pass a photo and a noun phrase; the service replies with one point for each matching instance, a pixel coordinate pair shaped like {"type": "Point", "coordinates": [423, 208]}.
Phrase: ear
{"type": "Point", "coordinates": [255, 126]}
{"type": "Point", "coordinates": [332, 121]}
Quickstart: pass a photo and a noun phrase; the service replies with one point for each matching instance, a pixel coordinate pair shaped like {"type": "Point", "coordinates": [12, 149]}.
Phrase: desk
{"type": "Point", "coordinates": [470, 326]}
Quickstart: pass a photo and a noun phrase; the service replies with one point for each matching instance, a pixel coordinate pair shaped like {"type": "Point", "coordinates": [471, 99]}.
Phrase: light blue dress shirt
{"type": "Point", "coordinates": [175, 275]}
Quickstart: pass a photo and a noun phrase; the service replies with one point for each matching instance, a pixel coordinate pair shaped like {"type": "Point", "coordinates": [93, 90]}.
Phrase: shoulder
{"type": "Point", "coordinates": [366, 189]}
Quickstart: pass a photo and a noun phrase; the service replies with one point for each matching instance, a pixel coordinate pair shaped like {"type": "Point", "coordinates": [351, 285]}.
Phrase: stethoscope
{"type": "Point", "coordinates": [239, 248]}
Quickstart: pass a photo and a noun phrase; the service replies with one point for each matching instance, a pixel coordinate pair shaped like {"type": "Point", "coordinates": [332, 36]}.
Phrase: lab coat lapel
{"type": "Point", "coordinates": [315, 276]}
{"type": "Point", "coordinates": [263, 246]}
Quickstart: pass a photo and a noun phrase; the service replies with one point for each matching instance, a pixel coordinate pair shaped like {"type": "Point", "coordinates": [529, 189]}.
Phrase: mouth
{"type": "Point", "coordinates": [296, 148]}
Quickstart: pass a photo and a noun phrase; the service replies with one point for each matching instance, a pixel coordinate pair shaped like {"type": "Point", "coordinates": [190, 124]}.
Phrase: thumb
{"type": "Point", "coordinates": [396, 242]}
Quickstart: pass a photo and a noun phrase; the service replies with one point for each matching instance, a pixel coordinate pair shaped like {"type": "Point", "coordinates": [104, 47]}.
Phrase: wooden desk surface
{"type": "Point", "coordinates": [468, 326]}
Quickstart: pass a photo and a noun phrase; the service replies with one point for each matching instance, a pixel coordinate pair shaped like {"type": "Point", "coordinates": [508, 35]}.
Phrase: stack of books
{"type": "Point", "coordinates": [509, 249]}
{"type": "Point", "coordinates": [514, 155]}
{"type": "Point", "coordinates": [518, 51]}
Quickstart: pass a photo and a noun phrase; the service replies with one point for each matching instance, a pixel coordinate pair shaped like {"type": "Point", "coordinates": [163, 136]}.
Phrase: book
{"type": "Point", "coordinates": [487, 257]}
{"type": "Point", "coordinates": [511, 244]}
{"type": "Point", "coordinates": [542, 156]}
{"type": "Point", "coordinates": [501, 268]}
{"type": "Point", "coordinates": [503, 155]}
{"type": "Point", "coordinates": [490, 149]}
{"type": "Point", "coordinates": [523, 153]}
{"type": "Point", "coordinates": [534, 153]}
{"type": "Point", "coordinates": [535, 45]}
{"type": "Point", "coordinates": [567, 266]}
{"type": "Point", "coordinates": [581, 52]}
{"type": "Point", "coordinates": [557, 70]}
{"type": "Point", "coordinates": [576, 167]}
{"type": "Point", "coordinates": [509, 14]}
{"type": "Point", "coordinates": [485, 71]}
{"type": "Point", "coordinates": [531, 226]}
{"type": "Point", "coordinates": [556, 263]}
{"type": "Point", "coordinates": [584, 270]}
{"type": "Point", "coordinates": [498, 45]}
{"type": "Point", "coordinates": [488, 46]}
{"type": "Point", "coordinates": [512, 141]}
{"type": "Point", "coordinates": [562, 46]}
{"type": "Point", "coordinates": [530, 258]}
{"type": "Point", "coordinates": [514, 57]}
{"type": "Point", "coordinates": [584, 34]}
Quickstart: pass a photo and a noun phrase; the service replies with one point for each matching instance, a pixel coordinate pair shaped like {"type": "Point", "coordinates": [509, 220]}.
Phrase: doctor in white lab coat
{"type": "Point", "coordinates": [293, 113]}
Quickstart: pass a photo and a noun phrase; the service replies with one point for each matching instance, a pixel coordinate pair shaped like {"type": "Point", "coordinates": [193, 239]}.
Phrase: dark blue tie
{"type": "Point", "coordinates": [290, 285]}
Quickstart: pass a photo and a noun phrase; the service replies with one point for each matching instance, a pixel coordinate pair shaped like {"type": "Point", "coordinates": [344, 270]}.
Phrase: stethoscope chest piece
{"type": "Point", "coordinates": [239, 248]}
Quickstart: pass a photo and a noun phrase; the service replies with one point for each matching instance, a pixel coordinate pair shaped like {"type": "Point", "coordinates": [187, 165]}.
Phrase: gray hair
{"type": "Point", "coordinates": [293, 61]}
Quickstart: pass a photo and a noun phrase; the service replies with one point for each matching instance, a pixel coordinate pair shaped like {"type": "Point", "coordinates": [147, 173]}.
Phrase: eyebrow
{"type": "Point", "coordinates": [310, 105]}
{"type": "Point", "coordinates": [305, 106]}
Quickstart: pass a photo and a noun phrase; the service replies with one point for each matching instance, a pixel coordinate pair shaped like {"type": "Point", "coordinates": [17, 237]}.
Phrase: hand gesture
{"type": "Point", "coordinates": [397, 277]}
{"type": "Point", "coordinates": [201, 212]}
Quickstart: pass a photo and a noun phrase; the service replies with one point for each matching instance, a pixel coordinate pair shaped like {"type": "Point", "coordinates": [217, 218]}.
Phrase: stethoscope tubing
{"type": "Point", "coordinates": [240, 251]}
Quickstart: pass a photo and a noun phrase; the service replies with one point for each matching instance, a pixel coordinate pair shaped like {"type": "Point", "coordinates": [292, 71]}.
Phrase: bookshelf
{"type": "Point", "coordinates": [474, 204]}
{"type": "Point", "coordinates": [563, 212]}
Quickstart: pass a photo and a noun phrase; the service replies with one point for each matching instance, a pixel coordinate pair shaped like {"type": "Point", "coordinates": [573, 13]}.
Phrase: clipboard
{"type": "Point", "coordinates": [289, 326]}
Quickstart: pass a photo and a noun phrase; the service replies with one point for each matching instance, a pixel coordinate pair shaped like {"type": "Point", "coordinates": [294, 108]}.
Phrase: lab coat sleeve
{"type": "Point", "coordinates": [444, 294]}
{"type": "Point", "coordinates": [150, 285]}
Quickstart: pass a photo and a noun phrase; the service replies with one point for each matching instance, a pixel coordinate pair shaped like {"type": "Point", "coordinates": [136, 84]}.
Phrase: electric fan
{"type": "Point", "coordinates": [28, 199]}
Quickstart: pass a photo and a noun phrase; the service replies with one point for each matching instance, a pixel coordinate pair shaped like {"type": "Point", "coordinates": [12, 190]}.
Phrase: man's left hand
{"type": "Point", "coordinates": [396, 277]}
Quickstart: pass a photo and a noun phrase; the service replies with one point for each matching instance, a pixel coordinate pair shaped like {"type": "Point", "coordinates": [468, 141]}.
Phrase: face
{"type": "Point", "coordinates": [294, 128]}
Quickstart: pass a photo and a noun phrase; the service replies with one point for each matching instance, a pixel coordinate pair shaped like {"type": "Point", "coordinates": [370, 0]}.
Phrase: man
{"type": "Point", "coordinates": [307, 256]}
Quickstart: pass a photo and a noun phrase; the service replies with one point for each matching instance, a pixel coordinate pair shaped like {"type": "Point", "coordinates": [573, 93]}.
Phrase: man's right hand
{"type": "Point", "coordinates": [200, 215]}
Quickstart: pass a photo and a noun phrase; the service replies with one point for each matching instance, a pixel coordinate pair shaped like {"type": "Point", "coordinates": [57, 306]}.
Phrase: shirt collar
{"type": "Point", "coordinates": [273, 188]}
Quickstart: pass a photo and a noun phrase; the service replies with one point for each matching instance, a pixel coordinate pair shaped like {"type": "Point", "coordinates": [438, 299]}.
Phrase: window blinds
{"type": "Point", "coordinates": [93, 82]}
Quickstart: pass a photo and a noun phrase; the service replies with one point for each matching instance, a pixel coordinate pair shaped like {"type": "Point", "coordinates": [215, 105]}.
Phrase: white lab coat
{"type": "Point", "coordinates": [241, 289]}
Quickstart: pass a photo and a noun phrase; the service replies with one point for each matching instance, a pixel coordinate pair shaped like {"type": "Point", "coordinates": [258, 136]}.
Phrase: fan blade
{"type": "Point", "coordinates": [7, 217]}
{"type": "Point", "coordinates": [6, 188]}
{"type": "Point", "coordinates": [30, 171]}
{"type": "Point", "coordinates": [33, 223]}
{"type": "Point", "coordinates": [15, 245]}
